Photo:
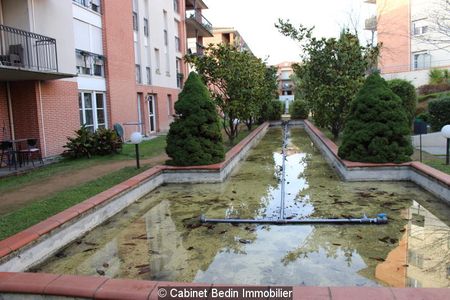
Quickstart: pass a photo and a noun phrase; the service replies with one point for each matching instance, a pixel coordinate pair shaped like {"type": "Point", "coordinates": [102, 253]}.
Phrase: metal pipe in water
{"type": "Point", "coordinates": [283, 171]}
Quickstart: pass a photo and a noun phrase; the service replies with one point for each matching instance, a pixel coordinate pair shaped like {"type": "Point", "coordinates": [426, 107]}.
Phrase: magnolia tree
{"type": "Point", "coordinates": [238, 82]}
{"type": "Point", "coordinates": [331, 74]}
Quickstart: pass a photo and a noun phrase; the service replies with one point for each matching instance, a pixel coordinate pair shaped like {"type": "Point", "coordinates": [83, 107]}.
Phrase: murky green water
{"type": "Point", "coordinates": [159, 238]}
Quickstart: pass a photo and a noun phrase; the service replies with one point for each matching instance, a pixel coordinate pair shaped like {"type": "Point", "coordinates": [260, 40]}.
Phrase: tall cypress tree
{"type": "Point", "coordinates": [377, 128]}
{"type": "Point", "coordinates": [194, 137]}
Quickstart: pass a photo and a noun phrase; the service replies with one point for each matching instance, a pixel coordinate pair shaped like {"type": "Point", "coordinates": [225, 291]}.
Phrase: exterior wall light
{"type": "Point", "coordinates": [136, 139]}
{"type": "Point", "coordinates": [446, 133]}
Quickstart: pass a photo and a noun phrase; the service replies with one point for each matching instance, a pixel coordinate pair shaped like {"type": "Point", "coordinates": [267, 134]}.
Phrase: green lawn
{"type": "Point", "coordinates": [147, 149]}
{"type": "Point", "coordinates": [42, 209]}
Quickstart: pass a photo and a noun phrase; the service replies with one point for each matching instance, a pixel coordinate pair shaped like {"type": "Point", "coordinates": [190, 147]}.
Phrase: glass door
{"type": "Point", "coordinates": [151, 113]}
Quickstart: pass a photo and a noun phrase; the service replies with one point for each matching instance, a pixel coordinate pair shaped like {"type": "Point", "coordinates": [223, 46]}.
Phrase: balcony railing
{"type": "Point", "coordinates": [27, 50]}
{"type": "Point", "coordinates": [198, 16]}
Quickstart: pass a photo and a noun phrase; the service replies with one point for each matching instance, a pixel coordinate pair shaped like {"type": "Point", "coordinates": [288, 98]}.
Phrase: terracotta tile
{"type": "Point", "coordinates": [82, 207]}
{"type": "Point", "coordinates": [31, 283]}
{"type": "Point", "coordinates": [154, 293]}
{"type": "Point", "coordinates": [4, 251]}
{"type": "Point", "coordinates": [125, 289]}
{"type": "Point", "coordinates": [311, 293]}
{"type": "Point", "coordinates": [421, 294]}
{"type": "Point", "coordinates": [75, 286]}
{"type": "Point", "coordinates": [344, 293]}
{"type": "Point", "coordinates": [5, 276]}
{"type": "Point", "coordinates": [21, 239]}
{"type": "Point", "coordinates": [64, 216]}
{"type": "Point", "coordinates": [44, 227]}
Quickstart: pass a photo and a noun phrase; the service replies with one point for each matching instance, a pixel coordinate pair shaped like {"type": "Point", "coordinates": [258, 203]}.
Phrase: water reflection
{"type": "Point", "coordinates": [160, 238]}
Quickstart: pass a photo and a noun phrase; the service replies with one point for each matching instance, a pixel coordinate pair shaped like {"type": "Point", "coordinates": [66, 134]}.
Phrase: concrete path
{"type": "Point", "coordinates": [433, 143]}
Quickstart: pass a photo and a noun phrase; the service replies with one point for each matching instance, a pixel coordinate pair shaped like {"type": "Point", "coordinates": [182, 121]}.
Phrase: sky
{"type": "Point", "coordinates": [255, 19]}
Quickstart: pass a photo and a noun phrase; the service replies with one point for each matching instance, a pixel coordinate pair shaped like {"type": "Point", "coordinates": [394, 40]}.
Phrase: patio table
{"type": "Point", "coordinates": [15, 143]}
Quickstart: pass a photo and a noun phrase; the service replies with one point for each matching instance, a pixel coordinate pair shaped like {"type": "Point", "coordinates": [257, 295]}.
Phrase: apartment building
{"type": "Point", "coordinates": [38, 92]}
{"type": "Point", "coordinates": [285, 84]}
{"type": "Point", "coordinates": [228, 36]}
{"type": "Point", "coordinates": [411, 42]}
{"type": "Point", "coordinates": [93, 63]}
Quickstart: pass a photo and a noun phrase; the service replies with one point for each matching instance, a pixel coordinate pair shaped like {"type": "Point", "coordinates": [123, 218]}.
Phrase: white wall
{"type": "Point", "coordinates": [423, 13]}
{"type": "Point", "coordinates": [417, 78]}
{"type": "Point", "coordinates": [88, 36]}
{"type": "Point", "coordinates": [53, 18]}
{"type": "Point", "coordinates": [153, 11]}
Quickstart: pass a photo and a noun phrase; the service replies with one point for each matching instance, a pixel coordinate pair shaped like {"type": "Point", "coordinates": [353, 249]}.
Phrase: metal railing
{"type": "Point", "coordinates": [198, 16]}
{"type": "Point", "coordinates": [27, 50]}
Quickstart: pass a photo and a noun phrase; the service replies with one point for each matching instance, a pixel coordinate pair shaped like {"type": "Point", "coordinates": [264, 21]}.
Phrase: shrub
{"type": "Point", "coordinates": [272, 111]}
{"type": "Point", "coordinates": [377, 127]}
{"type": "Point", "coordinates": [438, 76]}
{"type": "Point", "coordinates": [407, 92]}
{"type": "Point", "coordinates": [195, 137]}
{"type": "Point", "coordinates": [433, 88]}
{"type": "Point", "coordinates": [106, 142]}
{"type": "Point", "coordinates": [299, 110]}
{"type": "Point", "coordinates": [86, 143]}
{"type": "Point", "coordinates": [424, 116]}
{"type": "Point", "coordinates": [83, 144]}
{"type": "Point", "coordinates": [439, 111]}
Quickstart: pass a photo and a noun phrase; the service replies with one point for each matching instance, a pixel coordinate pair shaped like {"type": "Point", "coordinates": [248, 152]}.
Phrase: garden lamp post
{"type": "Point", "coordinates": [136, 139]}
{"type": "Point", "coordinates": [446, 133]}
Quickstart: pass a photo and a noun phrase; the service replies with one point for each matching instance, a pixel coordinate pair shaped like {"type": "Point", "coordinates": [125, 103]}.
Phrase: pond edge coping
{"type": "Point", "coordinates": [31, 246]}
{"type": "Point", "coordinates": [53, 286]}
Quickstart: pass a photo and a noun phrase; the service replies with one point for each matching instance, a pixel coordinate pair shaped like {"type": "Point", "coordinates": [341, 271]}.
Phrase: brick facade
{"type": "Point", "coordinates": [60, 114]}
{"type": "Point", "coordinates": [5, 130]}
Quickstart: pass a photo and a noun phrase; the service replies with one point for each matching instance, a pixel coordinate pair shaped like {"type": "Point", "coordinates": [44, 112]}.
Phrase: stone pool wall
{"type": "Point", "coordinates": [430, 179]}
{"type": "Point", "coordinates": [35, 244]}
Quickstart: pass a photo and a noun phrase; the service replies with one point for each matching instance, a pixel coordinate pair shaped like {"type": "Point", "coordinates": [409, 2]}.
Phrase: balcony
{"type": "Point", "coordinates": [27, 56]}
{"type": "Point", "coordinates": [197, 25]}
{"type": "Point", "coordinates": [371, 24]}
{"type": "Point", "coordinates": [197, 49]}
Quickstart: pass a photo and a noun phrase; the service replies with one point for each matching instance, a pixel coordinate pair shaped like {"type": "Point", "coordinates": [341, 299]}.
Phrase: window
{"type": "Point", "coordinates": [169, 105]}
{"type": "Point", "coordinates": [91, 4]}
{"type": "Point", "coordinates": [149, 75]}
{"type": "Point", "coordinates": [421, 60]}
{"type": "Point", "coordinates": [92, 109]}
{"type": "Point", "coordinates": [177, 34]}
{"type": "Point", "coordinates": [176, 6]}
{"type": "Point", "coordinates": [135, 22]}
{"type": "Point", "coordinates": [138, 74]}
{"type": "Point", "coordinates": [419, 27]}
{"type": "Point", "coordinates": [166, 38]}
{"type": "Point", "coordinates": [89, 63]}
{"type": "Point", "coordinates": [146, 27]}
{"type": "Point", "coordinates": [179, 74]}
{"type": "Point", "coordinates": [157, 61]}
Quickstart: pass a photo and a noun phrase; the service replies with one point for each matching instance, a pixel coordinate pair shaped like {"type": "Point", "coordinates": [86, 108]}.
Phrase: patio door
{"type": "Point", "coordinates": [151, 113]}
{"type": "Point", "coordinates": [139, 112]}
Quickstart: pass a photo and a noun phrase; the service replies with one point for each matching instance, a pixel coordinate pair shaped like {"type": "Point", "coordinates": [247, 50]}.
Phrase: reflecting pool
{"type": "Point", "coordinates": [160, 238]}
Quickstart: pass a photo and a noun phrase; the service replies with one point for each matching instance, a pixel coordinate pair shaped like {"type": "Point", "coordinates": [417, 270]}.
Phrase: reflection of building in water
{"type": "Point", "coordinates": [167, 253]}
{"type": "Point", "coordinates": [428, 250]}
{"type": "Point", "coordinates": [393, 270]}
{"type": "Point", "coordinates": [422, 258]}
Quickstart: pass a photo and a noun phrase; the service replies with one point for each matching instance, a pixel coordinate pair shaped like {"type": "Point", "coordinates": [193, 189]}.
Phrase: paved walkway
{"type": "Point", "coordinates": [17, 198]}
{"type": "Point", "coordinates": [433, 143]}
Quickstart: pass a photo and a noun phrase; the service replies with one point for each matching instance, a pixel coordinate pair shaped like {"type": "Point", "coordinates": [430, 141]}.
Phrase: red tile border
{"type": "Point", "coordinates": [366, 293]}
{"type": "Point", "coordinates": [26, 283]}
{"type": "Point", "coordinates": [31, 234]}
{"type": "Point", "coordinates": [75, 286]}
{"type": "Point", "coordinates": [102, 288]}
{"type": "Point", "coordinates": [125, 289]}
{"type": "Point", "coordinates": [415, 165]}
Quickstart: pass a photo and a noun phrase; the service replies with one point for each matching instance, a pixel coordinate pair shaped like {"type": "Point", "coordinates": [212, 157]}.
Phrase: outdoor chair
{"type": "Point", "coordinates": [31, 150]}
{"type": "Point", "coordinates": [7, 152]}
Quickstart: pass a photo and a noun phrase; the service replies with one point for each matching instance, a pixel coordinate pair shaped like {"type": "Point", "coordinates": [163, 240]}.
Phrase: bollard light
{"type": "Point", "coordinates": [446, 133]}
{"type": "Point", "coordinates": [136, 139]}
